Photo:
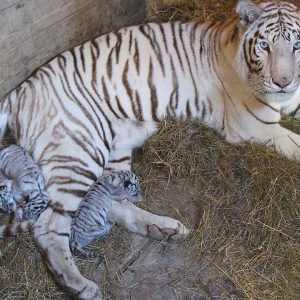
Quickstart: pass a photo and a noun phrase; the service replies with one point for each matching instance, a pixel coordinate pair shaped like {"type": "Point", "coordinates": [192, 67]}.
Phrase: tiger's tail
{"type": "Point", "coordinates": [15, 228]}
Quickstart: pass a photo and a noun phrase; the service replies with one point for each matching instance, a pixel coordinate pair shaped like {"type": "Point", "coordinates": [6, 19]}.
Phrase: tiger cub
{"type": "Point", "coordinates": [91, 220]}
{"type": "Point", "coordinates": [7, 200]}
{"type": "Point", "coordinates": [22, 185]}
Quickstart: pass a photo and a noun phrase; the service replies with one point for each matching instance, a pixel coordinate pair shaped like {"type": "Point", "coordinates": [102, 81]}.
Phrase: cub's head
{"type": "Point", "coordinates": [269, 51]}
{"type": "Point", "coordinates": [127, 184]}
{"type": "Point", "coordinates": [7, 202]}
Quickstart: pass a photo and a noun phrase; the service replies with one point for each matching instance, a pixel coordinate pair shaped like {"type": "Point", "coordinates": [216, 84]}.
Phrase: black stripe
{"type": "Point", "coordinates": [175, 44]}
{"type": "Point", "coordinates": [136, 57]}
{"type": "Point", "coordinates": [257, 118]}
{"type": "Point", "coordinates": [153, 93]}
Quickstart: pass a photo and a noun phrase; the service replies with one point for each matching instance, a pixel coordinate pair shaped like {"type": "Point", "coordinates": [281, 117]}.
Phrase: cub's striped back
{"type": "Point", "coordinates": [91, 220]}
{"type": "Point", "coordinates": [24, 181]}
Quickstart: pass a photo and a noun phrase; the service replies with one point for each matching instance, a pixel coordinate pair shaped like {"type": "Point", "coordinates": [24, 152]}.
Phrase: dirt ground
{"type": "Point", "coordinates": [242, 204]}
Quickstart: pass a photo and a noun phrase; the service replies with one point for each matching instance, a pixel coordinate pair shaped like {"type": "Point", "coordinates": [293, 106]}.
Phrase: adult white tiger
{"type": "Point", "coordinates": [87, 108]}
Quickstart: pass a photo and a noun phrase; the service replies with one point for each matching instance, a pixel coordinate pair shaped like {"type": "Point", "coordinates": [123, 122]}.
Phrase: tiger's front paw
{"type": "Point", "coordinates": [179, 233]}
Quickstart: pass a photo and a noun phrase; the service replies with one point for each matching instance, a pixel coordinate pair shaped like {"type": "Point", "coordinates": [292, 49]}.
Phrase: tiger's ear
{"type": "Point", "coordinates": [248, 12]}
{"type": "Point", "coordinates": [9, 184]}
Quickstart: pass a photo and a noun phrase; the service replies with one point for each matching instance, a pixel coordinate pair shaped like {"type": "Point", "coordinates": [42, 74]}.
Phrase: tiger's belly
{"type": "Point", "coordinates": [70, 156]}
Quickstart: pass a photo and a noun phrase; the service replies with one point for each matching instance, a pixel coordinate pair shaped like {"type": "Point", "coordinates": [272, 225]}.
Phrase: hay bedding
{"type": "Point", "coordinates": [243, 203]}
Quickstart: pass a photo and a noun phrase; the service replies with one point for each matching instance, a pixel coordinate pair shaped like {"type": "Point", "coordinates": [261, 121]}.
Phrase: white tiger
{"type": "Point", "coordinates": [85, 110]}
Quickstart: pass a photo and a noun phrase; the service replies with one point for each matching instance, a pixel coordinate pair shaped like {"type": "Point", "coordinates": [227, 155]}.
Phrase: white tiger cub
{"type": "Point", "coordinates": [238, 77]}
{"type": "Point", "coordinates": [7, 200]}
{"type": "Point", "coordinates": [92, 220]}
{"type": "Point", "coordinates": [22, 185]}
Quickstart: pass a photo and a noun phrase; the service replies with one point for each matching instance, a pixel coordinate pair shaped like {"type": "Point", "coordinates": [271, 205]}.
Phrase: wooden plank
{"type": "Point", "coordinates": [5, 4]}
{"type": "Point", "coordinates": [33, 33]}
{"type": "Point", "coordinates": [22, 26]}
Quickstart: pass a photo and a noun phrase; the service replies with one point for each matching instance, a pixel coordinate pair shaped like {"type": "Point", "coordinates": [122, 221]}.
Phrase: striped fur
{"type": "Point", "coordinates": [7, 200]}
{"type": "Point", "coordinates": [23, 182]}
{"type": "Point", "coordinates": [15, 228]}
{"type": "Point", "coordinates": [82, 113]}
{"type": "Point", "coordinates": [91, 220]}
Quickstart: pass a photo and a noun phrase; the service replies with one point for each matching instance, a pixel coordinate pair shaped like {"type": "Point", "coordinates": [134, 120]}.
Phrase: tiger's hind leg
{"type": "Point", "coordinates": [51, 233]}
{"type": "Point", "coordinates": [136, 219]}
{"type": "Point", "coordinates": [144, 223]}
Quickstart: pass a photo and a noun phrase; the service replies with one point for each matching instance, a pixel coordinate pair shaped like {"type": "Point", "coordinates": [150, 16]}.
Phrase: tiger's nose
{"type": "Point", "coordinates": [11, 206]}
{"type": "Point", "coordinates": [282, 81]}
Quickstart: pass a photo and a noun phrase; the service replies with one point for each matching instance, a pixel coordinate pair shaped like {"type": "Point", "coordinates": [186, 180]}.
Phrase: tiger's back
{"type": "Point", "coordinates": [137, 74]}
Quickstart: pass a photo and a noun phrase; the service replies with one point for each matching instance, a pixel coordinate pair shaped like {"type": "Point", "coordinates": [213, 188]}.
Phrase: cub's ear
{"type": "Point", "coordinates": [248, 12]}
{"type": "Point", "coordinates": [9, 183]}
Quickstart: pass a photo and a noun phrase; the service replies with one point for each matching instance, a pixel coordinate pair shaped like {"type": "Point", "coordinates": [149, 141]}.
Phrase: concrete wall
{"type": "Point", "coordinates": [34, 31]}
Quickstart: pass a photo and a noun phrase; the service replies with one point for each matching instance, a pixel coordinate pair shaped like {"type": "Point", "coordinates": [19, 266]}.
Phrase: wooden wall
{"type": "Point", "coordinates": [34, 31]}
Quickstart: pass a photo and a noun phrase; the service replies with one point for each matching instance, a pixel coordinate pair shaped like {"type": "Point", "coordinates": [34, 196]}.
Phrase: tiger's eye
{"type": "Point", "coordinates": [2, 187]}
{"type": "Point", "coordinates": [264, 45]}
{"type": "Point", "coordinates": [127, 183]}
{"type": "Point", "coordinates": [297, 45]}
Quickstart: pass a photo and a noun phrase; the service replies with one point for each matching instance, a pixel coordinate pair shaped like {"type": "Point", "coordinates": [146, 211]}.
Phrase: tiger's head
{"type": "Point", "coordinates": [7, 201]}
{"type": "Point", "coordinates": [269, 50]}
{"type": "Point", "coordinates": [127, 186]}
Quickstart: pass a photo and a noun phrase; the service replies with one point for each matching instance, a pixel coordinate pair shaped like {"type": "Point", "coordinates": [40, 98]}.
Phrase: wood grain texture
{"type": "Point", "coordinates": [32, 32]}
